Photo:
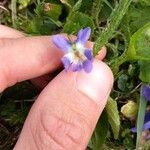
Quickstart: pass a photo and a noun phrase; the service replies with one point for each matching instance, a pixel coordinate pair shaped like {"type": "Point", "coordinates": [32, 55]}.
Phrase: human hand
{"type": "Point", "coordinates": [66, 112]}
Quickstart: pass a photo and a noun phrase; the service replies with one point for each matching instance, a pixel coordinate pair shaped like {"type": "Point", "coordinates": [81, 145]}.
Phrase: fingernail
{"type": "Point", "coordinates": [98, 83]}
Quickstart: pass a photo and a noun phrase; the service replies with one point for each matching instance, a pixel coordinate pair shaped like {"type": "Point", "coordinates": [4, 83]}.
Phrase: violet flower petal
{"type": "Point", "coordinates": [83, 35]}
{"type": "Point", "coordinates": [62, 43]}
{"type": "Point", "coordinates": [71, 59]}
{"type": "Point", "coordinates": [147, 117]}
{"type": "Point", "coordinates": [134, 130]}
{"type": "Point", "coordinates": [146, 125]}
{"type": "Point", "coordinates": [146, 92]}
{"type": "Point", "coordinates": [88, 54]}
{"type": "Point", "coordinates": [76, 67]}
{"type": "Point", "coordinates": [66, 62]}
{"type": "Point", "coordinates": [87, 66]}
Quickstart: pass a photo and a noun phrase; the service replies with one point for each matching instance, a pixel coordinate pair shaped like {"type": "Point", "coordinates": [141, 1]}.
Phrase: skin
{"type": "Point", "coordinates": [66, 112]}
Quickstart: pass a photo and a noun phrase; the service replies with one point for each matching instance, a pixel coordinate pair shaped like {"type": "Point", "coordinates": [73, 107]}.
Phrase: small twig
{"type": "Point", "coordinates": [127, 95]}
{"type": "Point", "coordinates": [26, 100]}
{"type": "Point", "coordinates": [2, 7]}
{"type": "Point", "coordinates": [135, 89]}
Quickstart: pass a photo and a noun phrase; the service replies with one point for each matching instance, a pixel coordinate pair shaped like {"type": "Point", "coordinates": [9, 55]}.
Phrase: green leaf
{"type": "Point", "coordinates": [145, 2]}
{"type": "Point", "coordinates": [138, 16]}
{"type": "Point", "coordinates": [86, 7]}
{"type": "Point", "coordinates": [124, 83]}
{"type": "Point", "coordinates": [53, 10]}
{"type": "Point", "coordinates": [74, 9]}
{"type": "Point", "coordinates": [140, 119]}
{"type": "Point", "coordinates": [100, 133]}
{"type": "Point", "coordinates": [127, 139]}
{"type": "Point", "coordinates": [23, 3]}
{"type": "Point", "coordinates": [40, 25]}
{"type": "Point", "coordinates": [77, 21]}
{"type": "Point", "coordinates": [113, 116]}
{"type": "Point", "coordinates": [68, 3]}
{"type": "Point", "coordinates": [139, 47]}
{"type": "Point", "coordinates": [77, 6]}
{"type": "Point", "coordinates": [145, 71]}
{"type": "Point", "coordinates": [45, 21]}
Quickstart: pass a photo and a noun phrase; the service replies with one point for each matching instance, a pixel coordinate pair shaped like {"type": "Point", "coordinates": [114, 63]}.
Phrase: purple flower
{"type": "Point", "coordinates": [146, 92]}
{"type": "Point", "coordinates": [76, 55]}
{"type": "Point", "coordinates": [146, 125]}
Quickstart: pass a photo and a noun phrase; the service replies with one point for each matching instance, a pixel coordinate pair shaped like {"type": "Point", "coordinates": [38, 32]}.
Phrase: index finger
{"type": "Point", "coordinates": [7, 32]}
{"type": "Point", "coordinates": [28, 57]}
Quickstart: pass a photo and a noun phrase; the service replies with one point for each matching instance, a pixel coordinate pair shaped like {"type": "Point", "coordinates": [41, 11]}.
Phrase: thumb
{"type": "Point", "coordinates": [66, 112]}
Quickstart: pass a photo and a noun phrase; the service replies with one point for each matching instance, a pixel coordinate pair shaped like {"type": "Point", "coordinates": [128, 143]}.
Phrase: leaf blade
{"type": "Point", "coordinates": [113, 116]}
{"type": "Point", "coordinates": [140, 119]}
{"type": "Point", "coordinates": [100, 133]}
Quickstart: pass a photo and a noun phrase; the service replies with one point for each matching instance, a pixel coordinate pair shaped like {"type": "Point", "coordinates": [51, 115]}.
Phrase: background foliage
{"type": "Point", "coordinates": [123, 26]}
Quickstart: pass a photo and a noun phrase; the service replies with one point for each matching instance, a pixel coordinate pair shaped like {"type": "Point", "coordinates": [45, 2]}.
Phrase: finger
{"type": "Point", "coordinates": [26, 58]}
{"type": "Point", "coordinates": [65, 114]}
{"type": "Point", "coordinates": [101, 54]}
{"type": "Point", "coordinates": [6, 32]}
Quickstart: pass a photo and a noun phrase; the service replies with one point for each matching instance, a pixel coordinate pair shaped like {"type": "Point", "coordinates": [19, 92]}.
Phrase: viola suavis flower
{"type": "Point", "coordinates": [76, 55]}
{"type": "Point", "coordinates": [146, 92]}
{"type": "Point", "coordinates": [146, 126]}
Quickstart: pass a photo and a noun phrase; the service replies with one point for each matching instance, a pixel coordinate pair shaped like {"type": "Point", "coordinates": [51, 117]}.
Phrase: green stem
{"type": "Point", "coordinates": [113, 22]}
{"type": "Point", "coordinates": [115, 63]}
{"type": "Point", "coordinates": [123, 58]}
{"type": "Point", "coordinates": [96, 8]}
{"type": "Point", "coordinates": [38, 2]}
{"type": "Point", "coordinates": [14, 12]}
{"type": "Point", "coordinates": [75, 8]}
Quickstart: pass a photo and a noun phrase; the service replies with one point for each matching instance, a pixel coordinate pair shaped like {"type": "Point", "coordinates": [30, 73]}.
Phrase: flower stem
{"type": "Point", "coordinates": [115, 63]}
{"type": "Point", "coordinates": [14, 12]}
{"type": "Point", "coordinates": [96, 8]}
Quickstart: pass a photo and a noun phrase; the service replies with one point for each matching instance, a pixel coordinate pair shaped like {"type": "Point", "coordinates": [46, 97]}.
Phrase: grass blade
{"type": "Point", "coordinates": [140, 119]}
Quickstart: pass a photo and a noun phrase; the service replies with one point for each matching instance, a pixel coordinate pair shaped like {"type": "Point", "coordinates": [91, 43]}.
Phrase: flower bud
{"type": "Point", "coordinates": [130, 109]}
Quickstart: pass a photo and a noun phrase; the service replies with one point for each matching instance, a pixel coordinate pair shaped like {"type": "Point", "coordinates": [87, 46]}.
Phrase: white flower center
{"type": "Point", "coordinates": [78, 51]}
{"type": "Point", "coordinates": [76, 54]}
